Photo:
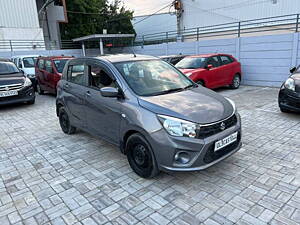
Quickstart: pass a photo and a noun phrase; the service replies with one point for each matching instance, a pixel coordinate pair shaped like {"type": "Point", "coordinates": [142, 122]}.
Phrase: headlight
{"type": "Point", "coordinates": [31, 75]}
{"type": "Point", "coordinates": [232, 103]}
{"type": "Point", "coordinates": [290, 84]}
{"type": "Point", "coordinates": [178, 127]}
{"type": "Point", "coordinates": [27, 82]}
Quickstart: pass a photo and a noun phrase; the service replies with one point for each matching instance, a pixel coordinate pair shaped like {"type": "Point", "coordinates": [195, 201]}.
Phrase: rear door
{"type": "Point", "coordinates": [74, 90]}
{"type": "Point", "coordinates": [48, 74]}
{"type": "Point", "coordinates": [214, 75]}
{"type": "Point", "coordinates": [40, 73]}
{"type": "Point", "coordinates": [227, 69]}
{"type": "Point", "coordinates": [103, 114]}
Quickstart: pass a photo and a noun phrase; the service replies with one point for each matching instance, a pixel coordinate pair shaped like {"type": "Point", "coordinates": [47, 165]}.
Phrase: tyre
{"type": "Point", "coordinates": [140, 156]}
{"type": "Point", "coordinates": [39, 89]}
{"type": "Point", "coordinates": [284, 110]}
{"type": "Point", "coordinates": [31, 102]}
{"type": "Point", "coordinates": [64, 122]}
{"type": "Point", "coordinates": [236, 82]}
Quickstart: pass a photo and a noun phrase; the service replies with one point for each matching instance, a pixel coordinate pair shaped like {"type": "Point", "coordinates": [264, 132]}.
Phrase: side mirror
{"type": "Point", "coordinates": [293, 69]}
{"type": "Point", "coordinates": [109, 92]}
{"type": "Point", "coordinates": [209, 67]}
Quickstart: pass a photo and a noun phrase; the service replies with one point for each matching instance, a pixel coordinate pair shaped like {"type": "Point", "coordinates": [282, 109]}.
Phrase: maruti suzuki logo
{"type": "Point", "coordinates": [223, 126]}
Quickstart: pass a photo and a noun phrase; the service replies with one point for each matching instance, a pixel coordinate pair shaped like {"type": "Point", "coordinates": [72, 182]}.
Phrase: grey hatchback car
{"type": "Point", "coordinates": [158, 117]}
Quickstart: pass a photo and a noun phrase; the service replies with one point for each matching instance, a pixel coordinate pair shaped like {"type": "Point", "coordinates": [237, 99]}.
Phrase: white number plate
{"type": "Point", "coordinates": [226, 141]}
{"type": "Point", "coordinates": [8, 93]}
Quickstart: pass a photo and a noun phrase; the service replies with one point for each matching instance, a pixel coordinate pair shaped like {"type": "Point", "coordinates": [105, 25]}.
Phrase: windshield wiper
{"type": "Point", "coordinates": [167, 91]}
{"type": "Point", "coordinates": [189, 86]}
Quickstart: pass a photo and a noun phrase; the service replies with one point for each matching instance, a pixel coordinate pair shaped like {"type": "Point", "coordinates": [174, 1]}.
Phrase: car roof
{"type": "Point", "coordinates": [207, 55]}
{"type": "Point", "coordinates": [4, 60]}
{"type": "Point", "coordinates": [55, 57]}
{"type": "Point", "coordinates": [24, 56]}
{"type": "Point", "coordinates": [171, 56]}
{"type": "Point", "coordinates": [125, 57]}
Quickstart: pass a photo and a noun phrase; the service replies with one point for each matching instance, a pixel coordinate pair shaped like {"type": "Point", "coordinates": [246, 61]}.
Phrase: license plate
{"type": "Point", "coordinates": [226, 141]}
{"type": "Point", "coordinates": [8, 93]}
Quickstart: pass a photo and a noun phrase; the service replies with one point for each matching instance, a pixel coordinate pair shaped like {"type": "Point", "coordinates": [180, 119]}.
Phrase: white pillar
{"type": "Point", "coordinates": [295, 49]}
{"type": "Point", "coordinates": [83, 48]}
{"type": "Point", "coordinates": [101, 47]}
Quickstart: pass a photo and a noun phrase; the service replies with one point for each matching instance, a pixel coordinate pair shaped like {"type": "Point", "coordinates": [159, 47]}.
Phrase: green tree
{"type": "Point", "coordinates": [92, 16]}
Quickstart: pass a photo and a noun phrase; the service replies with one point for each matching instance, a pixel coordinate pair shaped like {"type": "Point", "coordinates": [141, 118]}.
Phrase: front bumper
{"type": "Point", "coordinates": [200, 152]}
{"type": "Point", "coordinates": [289, 100]}
{"type": "Point", "coordinates": [24, 95]}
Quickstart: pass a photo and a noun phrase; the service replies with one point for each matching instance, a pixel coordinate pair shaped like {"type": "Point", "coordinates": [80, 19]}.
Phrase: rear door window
{"type": "Point", "coordinates": [48, 66]}
{"type": "Point", "coordinates": [41, 64]}
{"type": "Point", "coordinates": [226, 59]}
{"type": "Point", "coordinates": [213, 61]}
{"type": "Point", "coordinates": [76, 74]}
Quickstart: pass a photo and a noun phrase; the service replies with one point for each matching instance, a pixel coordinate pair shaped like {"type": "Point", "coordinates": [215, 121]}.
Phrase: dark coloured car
{"type": "Point", "coordinates": [172, 59]}
{"type": "Point", "coordinates": [157, 116]}
{"type": "Point", "coordinates": [48, 72]}
{"type": "Point", "coordinates": [289, 94]}
{"type": "Point", "coordinates": [15, 87]}
{"type": "Point", "coordinates": [212, 70]}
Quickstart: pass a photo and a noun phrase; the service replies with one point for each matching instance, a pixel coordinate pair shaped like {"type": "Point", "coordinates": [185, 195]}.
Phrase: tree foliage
{"type": "Point", "coordinates": [92, 16]}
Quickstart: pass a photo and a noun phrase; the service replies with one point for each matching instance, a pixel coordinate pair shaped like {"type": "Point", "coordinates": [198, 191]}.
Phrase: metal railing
{"type": "Point", "coordinates": [19, 45]}
{"type": "Point", "coordinates": [269, 25]}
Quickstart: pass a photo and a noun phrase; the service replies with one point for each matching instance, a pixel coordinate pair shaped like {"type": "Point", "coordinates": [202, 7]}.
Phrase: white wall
{"type": "Point", "coordinates": [265, 59]}
{"type": "Point", "coordinates": [198, 13]}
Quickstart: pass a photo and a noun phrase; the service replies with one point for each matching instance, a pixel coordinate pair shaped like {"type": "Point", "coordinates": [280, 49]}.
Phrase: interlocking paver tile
{"type": "Point", "coordinates": [47, 177]}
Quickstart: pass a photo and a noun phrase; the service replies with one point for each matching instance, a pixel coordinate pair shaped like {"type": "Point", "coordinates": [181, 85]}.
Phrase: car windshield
{"type": "Point", "coordinates": [29, 62]}
{"type": "Point", "coordinates": [153, 77]}
{"type": "Point", "coordinates": [8, 68]}
{"type": "Point", "coordinates": [60, 64]}
{"type": "Point", "coordinates": [191, 63]}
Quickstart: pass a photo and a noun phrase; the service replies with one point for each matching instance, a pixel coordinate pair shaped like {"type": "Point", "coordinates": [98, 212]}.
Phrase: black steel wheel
{"type": "Point", "coordinates": [64, 122]}
{"type": "Point", "coordinates": [39, 89]}
{"type": "Point", "coordinates": [140, 156]}
{"type": "Point", "coordinates": [236, 82]}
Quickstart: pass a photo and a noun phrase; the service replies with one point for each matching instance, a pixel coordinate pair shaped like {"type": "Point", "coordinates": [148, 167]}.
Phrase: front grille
{"type": "Point", "coordinates": [206, 131]}
{"type": "Point", "coordinates": [11, 87]}
{"type": "Point", "coordinates": [211, 155]}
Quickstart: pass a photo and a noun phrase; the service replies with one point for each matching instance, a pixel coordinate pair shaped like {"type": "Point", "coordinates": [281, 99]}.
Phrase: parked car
{"type": "Point", "coordinates": [212, 70]}
{"type": "Point", "coordinates": [172, 59]}
{"type": "Point", "coordinates": [26, 64]}
{"type": "Point", "coordinates": [289, 94]}
{"type": "Point", "coordinates": [48, 72]}
{"type": "Point", "coordinates": [157, 116]}
{"type": "Point", "coordinates": [15, 87]}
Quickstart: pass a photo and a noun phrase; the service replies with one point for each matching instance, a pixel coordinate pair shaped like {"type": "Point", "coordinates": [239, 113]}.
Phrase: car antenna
{"type": "Point", "coordinates": [132, 48]}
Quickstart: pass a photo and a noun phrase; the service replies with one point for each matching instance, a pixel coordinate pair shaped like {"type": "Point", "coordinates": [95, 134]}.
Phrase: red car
{"type": "Point", "coordinates": [48, 71]}
{"type": "Point", "coordinates": [212, 70]}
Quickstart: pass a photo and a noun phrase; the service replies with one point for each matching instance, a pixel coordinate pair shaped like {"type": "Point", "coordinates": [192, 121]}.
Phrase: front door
{"type": "Point", "coordinates": [214, 77]}
{"type": "Point", "coordinates": [74, 89]}
{"type": "Point", "coordinates": [103, 113]}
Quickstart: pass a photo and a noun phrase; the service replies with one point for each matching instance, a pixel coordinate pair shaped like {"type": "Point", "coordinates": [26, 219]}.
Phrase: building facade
{"type": "Point", "coordinates": [18, 23]}
{"type": "Point", "coordinates": [199, 13]}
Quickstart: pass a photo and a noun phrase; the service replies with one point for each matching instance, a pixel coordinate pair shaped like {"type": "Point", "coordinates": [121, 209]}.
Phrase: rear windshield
{"type": "Point", "coordinates": [60, 64]}
{"type": "Point", "coordinates": [191, 63]}
{"type": "Point", "coordinates": [8, 68]}
{"type": "Point", "coordinates": [29, 62]}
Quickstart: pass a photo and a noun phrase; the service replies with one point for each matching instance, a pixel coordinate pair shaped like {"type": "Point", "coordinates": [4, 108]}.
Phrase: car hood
{"type": "Point", "coordinates": [10, 79]}
{"type": "Point", "coordinates": [185, 71]}
{"type": "Point", "coordinates": [199, 105]}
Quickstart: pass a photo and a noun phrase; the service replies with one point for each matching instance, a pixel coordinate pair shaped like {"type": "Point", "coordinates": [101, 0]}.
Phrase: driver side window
{"type": "Point", "coordinates": [99, 78]}
{"type": "Point", "coordinates": [214, 61]}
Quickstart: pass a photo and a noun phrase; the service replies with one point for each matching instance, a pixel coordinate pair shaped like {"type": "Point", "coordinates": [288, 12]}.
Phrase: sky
{"type": "Point", "coordinates": [145, 7]}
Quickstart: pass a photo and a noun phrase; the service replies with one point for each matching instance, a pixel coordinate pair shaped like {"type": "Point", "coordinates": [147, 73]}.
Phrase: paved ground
{"type": "Point", "coordinates": [51, 178]}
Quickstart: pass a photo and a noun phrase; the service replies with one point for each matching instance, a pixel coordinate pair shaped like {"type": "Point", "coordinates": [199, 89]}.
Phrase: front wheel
{"type": "Point", "coordinates": [39, 89]}
{"type": "Point", "coordinates": [140, 156]}
{"type": "Point", "coordinates": [236, 82]}
{"type": "Point", "coordinates": [64, 122]}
